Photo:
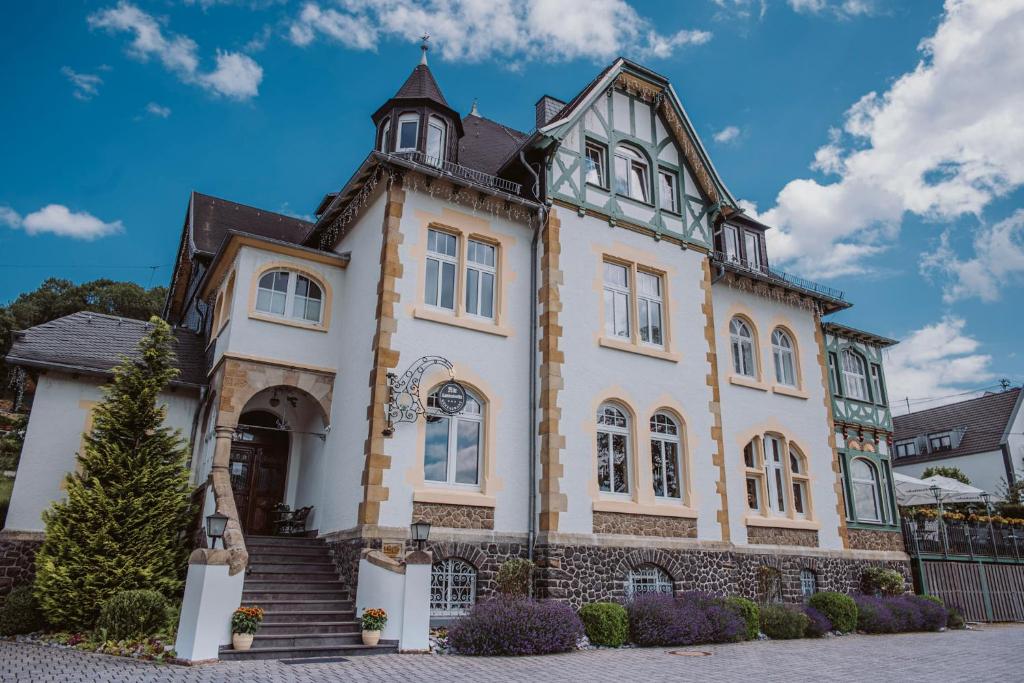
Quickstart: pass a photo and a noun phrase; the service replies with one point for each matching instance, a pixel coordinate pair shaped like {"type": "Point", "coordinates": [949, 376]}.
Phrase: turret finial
{"type": "Point", "coordinates": [473, 111]}
{"type": "Point", "coordinates": [424, 46]}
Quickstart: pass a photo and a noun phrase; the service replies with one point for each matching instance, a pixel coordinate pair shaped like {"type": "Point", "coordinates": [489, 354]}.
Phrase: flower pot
{"type": "Point", "coordinates": [371, 637]}
{"type": "Point", "coordinates": [241, 641]}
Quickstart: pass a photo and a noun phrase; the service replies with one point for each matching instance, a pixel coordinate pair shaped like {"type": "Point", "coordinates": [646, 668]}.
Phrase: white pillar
{"type": "Point", "coordinates": [416, 603]}
{"type": "Point", "coordinates": [212, 594]}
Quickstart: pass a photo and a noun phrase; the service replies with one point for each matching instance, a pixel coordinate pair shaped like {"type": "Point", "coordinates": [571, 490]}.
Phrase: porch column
{"type": "Point", "coordinates": [220, 477]}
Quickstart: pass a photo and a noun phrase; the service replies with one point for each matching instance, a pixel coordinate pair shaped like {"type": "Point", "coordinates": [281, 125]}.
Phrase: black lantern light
{"type": "Point", "coordinates": [215, 526]}
{"type": "Point", "coordinates": [420, 533]}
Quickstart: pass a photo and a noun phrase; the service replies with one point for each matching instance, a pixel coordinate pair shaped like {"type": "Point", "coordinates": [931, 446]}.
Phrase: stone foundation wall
{"type": "Point", "coordinates": [644, 525]}
{"type": "Point", "coordinates": [17, 561]}
{"type": "Point", "coordinates": [867, 539]}
{"type": "Point", "coordinates": [768, 535]}
{"type": "Point", "coordinates": [454, 516]}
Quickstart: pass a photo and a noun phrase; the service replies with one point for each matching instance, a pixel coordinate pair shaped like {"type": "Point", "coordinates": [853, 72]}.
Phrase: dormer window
{"type": "Point", "coordinates": [752, 242]}
{"type": "Point", "coordinates": [436, 129]}
{"type": "Point", "coordinates": [385, 128]}
{"type": "Point", "coordinates": [731, 242]}
{"type": "Point", "coordinates": [408, 132]}
{"type": "Point", "coordinates": [632, 174]}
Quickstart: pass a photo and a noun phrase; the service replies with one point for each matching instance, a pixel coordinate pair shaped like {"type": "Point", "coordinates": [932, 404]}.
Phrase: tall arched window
{"type": "Point", "coordinates": [785, 359]}
{"type": "Point", "coordinates": [452, 588]}
{"type": "Point", "coordinates": [648, 578]}
{"type": "Point", "coordinates": [665, 457]}
{"type": "Point", "coordinates": [775, 473]}
{"type": "Point", "coordinates": [454, 443]}
{"type": "Point", "coordinates": [866, 499]}
{"type": "Point", "coordinates": [632, 173]}
{"type": "Point", "coordinates": [290, 295]}
{"type": "Point", "coordinates": [612, 449]}
{"type": "Point", "coordinates": [742, 341]}
{"type": "Point", "coordinates": [855, 376]}
{"type": "Point", "coordinates": [798, 477]}
{"type": "Point", "coordinates": [755, 473]}
{"type": "Point", "coordinates": [435, 140]}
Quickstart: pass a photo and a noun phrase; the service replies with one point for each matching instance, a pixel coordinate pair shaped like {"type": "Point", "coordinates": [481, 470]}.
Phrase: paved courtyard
{"type": "Point", "coordinates": [994, 653]}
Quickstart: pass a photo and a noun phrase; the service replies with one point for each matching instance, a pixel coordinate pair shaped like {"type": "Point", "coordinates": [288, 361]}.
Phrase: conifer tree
{"type": "Point", "coordinates": [123, 523]}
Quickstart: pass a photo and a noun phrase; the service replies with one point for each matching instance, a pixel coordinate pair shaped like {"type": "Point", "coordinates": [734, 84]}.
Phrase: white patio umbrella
{"type": "Point", "coordinates": [953, 491]}
{"type": "Point", "coordinates": [912, 491]}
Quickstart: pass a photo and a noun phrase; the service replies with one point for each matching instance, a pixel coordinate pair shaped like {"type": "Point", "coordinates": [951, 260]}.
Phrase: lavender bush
{"type": "Point", "coordinates": [873, 615]}
{"type": "Point", "coordinates": [899, 614]}
{"type": "Point", "coordinates": [817, 623]}
{"type": "Point", "coordinates": [508, 625]}
{"type": "Point", "coordinates": [657, 619]}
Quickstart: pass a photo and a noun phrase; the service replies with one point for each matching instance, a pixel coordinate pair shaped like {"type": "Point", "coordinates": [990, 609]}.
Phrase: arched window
{"type": "Point", "coordinates": [775, 473]}
{"type": "Point", "coordinates": [290, 295]}
{"type": "Point", "coordinates": [798, 476]}
{"type": "Point", "coordinates": [742, 340]}
{"type": "Point", "coordinates": [454, 443]}
{"type": "Point", "coordinates": [452, 588]}
{"type": "Point", "coordinates": [436, 129]}
{"type": "Point", "coordinates": [648, 578]}
{"type": "Point", "coordinates": [785, 360]}
{"type": "Point", "coordinates": [755, 473]}
{"type": "Point", "coordinates": [808, 583]}
{"type": "Point", "coordinates": [776, 480]}
{"type": "Point", "coordinates": [385, 128]}
{"type": "Point", "coordinates": [866, 499]}
{"type": "Point", "coordinates": [408, 132]}
{"type": "Point", "coordinates": [612, 449]}
{"type": "Point", "coordinates": [632, 173]}
{"type": "Point", "coordinates": [665, 461]}
{"type": "Point", "coordinates": [855, 376]}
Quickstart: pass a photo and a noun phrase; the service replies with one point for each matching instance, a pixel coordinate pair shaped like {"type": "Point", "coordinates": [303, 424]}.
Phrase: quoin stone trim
{"type": "Point", "coordinates": [385, 358]}
{"type": "Point", "coordinates": [715, 405]}
{"type": "Point", "coordinates": [819, 338]}
{"type": "Point", "coordinates": [552, 442]}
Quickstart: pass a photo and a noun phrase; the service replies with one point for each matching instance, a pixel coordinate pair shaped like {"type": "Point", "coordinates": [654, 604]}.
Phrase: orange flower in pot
{"type": "Point", "coordinates": [244, 624]}
{"type": "Point", "coordinates": [373, 621]}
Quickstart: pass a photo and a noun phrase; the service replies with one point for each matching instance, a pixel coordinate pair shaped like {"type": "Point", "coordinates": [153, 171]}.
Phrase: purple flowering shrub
{"type": "Point", "coordinates": [873, 615]}
{"type": "Point", "coordinates": [899, 614]}
{"type": "Point", "coordinates": [692, 618]}
{"type": "Point", "coordinates": [508, 625]}
{"type": "Point", "coordinates": [817, 623]}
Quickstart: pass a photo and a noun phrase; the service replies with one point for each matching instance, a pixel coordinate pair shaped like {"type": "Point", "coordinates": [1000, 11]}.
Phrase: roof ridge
{"type": "Point", "coordinates": [987, 395]}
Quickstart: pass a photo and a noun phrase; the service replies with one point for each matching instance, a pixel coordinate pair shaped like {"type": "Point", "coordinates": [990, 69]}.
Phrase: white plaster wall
{"type": "Point", "coordinates": [643, 383]}
{"type": "Point", "coordinates": [746, 410]}
{"type": "Point", "coordinates": [54, 437]}
{"type": "Point", "coordinates": [985, 470]}
{"type": "Point", "coordinates": [496, 365]}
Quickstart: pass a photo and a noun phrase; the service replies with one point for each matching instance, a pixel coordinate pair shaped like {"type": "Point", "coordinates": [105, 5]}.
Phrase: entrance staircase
{"type": "Point", "coordinates": [309, 611]}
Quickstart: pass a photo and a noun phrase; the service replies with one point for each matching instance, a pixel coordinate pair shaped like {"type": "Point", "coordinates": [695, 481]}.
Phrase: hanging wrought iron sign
{"type": "Point", "coordinates": [404, 402]}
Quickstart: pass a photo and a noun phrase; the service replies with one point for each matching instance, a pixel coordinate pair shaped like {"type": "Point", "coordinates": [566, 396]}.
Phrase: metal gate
{"type": "Point", "coordinates": [982, 591]}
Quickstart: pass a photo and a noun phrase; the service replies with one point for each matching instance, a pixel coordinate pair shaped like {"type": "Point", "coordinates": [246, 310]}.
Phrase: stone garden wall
{"type": "Point", "coordinates": [17, 560]}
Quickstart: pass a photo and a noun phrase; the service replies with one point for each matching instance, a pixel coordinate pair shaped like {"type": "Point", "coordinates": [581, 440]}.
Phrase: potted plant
{"type": "Point", "coordinates": [244, 624]}
{"type": "Point", "coordinates": [373, 621]}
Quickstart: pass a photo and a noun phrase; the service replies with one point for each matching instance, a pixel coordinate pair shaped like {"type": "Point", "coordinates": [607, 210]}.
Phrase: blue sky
{"type": "Point", "coordinates": [882, 139]}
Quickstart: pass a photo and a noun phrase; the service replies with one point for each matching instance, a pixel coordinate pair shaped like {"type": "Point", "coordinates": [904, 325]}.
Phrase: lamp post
{"type": "Point", "coordinates": [937, 492]}
{"type": "Point", "coordinates": [420, 533]}
{"type": "Point", "coordinates": [215, 526]}
{"type": "Point", "coordinates": [987, 497]}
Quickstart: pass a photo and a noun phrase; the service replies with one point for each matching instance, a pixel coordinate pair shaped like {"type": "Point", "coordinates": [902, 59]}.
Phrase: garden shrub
{"type": "Point", "coordinates": [873, 615]}
{"type": "Point", "coordinates": [817, 623]}
{"type": "Point", "coordinates": [899, 614]}
{"type": "Point", "coordinates": [133, 614]}
{"type": "Point", "coordinates": [692, 618]}
{"type": "Point", "coordinates": [606, 623]}
{"type": "Point", "coordinates": [934, 615]}
{"type": "Point", "coordinates": [749, 612]}
{"type": "Point", "coordinates": [514, 577]}
{"type": "Point", "coordinates": [838, 608]}
{"type": "Point", "coordinates": [508, 625]}
{"type": "Point", "coordinates": [20, 613]}
{"type": "Point", "coordinates": [783, 622]}
{"type": "Point", "coordinates": [881, 581]}
{"type": "Point", "coordinates": [954, 619]}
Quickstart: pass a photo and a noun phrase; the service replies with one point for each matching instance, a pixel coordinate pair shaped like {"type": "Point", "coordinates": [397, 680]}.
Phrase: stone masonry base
{"type": "Point", "coordinates": [17, 560]}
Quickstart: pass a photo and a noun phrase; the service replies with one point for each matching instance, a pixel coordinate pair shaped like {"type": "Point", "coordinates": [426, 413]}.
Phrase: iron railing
{"type": "Point", "coordinates": [463, 172]}
{"type": "Point", "coordinates": [963, 540]}
{"type": "Point", "coordinates": [774, 274]}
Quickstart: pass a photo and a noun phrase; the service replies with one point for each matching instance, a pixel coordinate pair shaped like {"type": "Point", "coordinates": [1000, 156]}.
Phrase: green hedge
{"type": "Point", "coordinates": [605, 623]}
{"type": "Point", "coordinates": [134, 614]}
{"type": "Point", "coordinates": [783, 622]}
{"type": "Point", "coordinates": [20, 613]}
{"type": "Point", "coordinates": [749, 612]}
{"type": "Point", "coordinates": [840, 609]}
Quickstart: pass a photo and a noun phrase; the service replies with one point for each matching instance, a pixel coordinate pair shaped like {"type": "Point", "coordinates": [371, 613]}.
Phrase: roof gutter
{"type": "Point", "coordinates": [84, 370]}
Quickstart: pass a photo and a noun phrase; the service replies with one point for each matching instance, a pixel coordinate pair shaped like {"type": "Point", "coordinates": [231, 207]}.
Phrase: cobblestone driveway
{"type": "Point", "coordinates": [994, 653]}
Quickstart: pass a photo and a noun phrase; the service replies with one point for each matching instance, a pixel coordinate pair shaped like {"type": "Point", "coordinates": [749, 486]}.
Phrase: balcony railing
{"type": "Point", "coordinates": [960, 540]}
{"type": "Point", "coordinates": [773, 274]}
{"type": "Point", "coordinates": [463, 172]}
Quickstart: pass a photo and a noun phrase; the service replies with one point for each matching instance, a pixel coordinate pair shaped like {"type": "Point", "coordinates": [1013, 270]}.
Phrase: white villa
{"type": "Point", "coordinates": [647, 400]}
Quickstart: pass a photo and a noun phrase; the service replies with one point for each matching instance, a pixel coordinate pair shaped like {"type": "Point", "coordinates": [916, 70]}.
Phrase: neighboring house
{"type": "Point", "coordinates": [647, 404]}
{"type": "Point", "coordinates": [982, 437]}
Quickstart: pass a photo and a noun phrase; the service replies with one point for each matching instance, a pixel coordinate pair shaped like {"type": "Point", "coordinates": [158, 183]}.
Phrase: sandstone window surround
{"type": "Point", "coordinates": [777, 483]}
{"type": "Point", "coordinates": [666, 463]}
{"type": "Point", "coordinates": [614, 450]}
{"type": "Point", "coordinates": [453, 446]}
{"type": "Point", "coordinates": [635, 309]}
{"type": "Point", "coordinates": [743, 344]}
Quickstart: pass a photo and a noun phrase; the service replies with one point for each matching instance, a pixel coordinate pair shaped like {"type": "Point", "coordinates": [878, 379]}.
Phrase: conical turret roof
{"type": "Point", "coordinates": [421, 85]}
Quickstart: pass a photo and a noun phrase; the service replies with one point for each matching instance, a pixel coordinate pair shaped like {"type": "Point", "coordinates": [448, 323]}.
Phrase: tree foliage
{"type": "Point", "coordinates": [122, 524]}
{"type": "Point", "coordinates": [948, 472]}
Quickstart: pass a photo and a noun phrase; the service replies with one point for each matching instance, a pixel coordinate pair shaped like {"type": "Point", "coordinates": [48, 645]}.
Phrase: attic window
{"type": "Point", "coordinates": [906, 449]}
{"type": "Point", "coordinates": [408, 132]}
{"type": "Point", "coordinates": [632, 174]}
{"type": "Point", "coordinates": [435, 141]}
{"type": "Point", "coordinates": [596, 164]}
{"type": "Point", "coordinates": [940, 442]}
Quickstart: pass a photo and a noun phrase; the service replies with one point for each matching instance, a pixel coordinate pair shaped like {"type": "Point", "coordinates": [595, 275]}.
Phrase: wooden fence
{"type": "Point", "coordinates": [982, 591]}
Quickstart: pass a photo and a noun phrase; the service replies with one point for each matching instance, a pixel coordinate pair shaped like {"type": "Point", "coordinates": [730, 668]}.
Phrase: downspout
{"type": "Point", "coordinates": [531, 534]}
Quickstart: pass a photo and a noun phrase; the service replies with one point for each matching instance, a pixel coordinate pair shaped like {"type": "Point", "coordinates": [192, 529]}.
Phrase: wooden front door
{"type": "Point", "coordinates": [259, 467]}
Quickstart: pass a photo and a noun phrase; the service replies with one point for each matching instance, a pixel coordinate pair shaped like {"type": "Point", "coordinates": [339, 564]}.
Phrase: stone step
{"type": "Point", "coordinates": [313, 626]}
{"type": "Point", "coordinates": [277, 594]}
{"type": "Point", "coordinates": [382, 648]}
{"type": "Point", "coordinates": [284, 542]}
{"type": "Point", "coordinates": [281, 617]}
{"type": "Point", "coordinates": [303, 605]}
{"type": "Point", "coordinates": [296, 583]}
{"type": "Point", "coordinates": [293, 578]}
{"type": "Point", "coordinates": [263, 641]}
{"type": "Point", "coordinates": [318, 567]}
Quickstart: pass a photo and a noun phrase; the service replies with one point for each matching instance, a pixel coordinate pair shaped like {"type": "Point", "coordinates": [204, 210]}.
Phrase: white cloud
{"type": "Point", "coordinates": [727, 135]}
{"type": "Point", "coordinates": [85, 86]}
{"type": "Point", "coordinates": [943, 141]}
{"type": "Point", "coordinates": [237, 76]}
{"type": "Point", "coordinates": [933, 362]}
{"type": "Point", "coordinates": [57, 219]}
{"type": "Point", "coordinates": [740, 9]}
{"type": "Point", "coordinates": [501, 30]}
{"type": "Point", "coordinates": [843, 9]}
{"type": "Point", "coordinates": [998, 261]}
{"type": "Point", "coordinates": [158, 110]}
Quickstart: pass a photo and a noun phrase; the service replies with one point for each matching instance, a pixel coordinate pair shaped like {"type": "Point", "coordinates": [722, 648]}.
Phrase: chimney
{"type": "Point", "coordinates": [547, 109]}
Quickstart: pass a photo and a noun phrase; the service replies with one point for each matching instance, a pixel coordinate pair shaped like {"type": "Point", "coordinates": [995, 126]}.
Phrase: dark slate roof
{"type": "Point", "coordinates": [986, 419]}
{"type": "Point", "coordinates": [213, 217]}
{"type": "Point", "coordinates": [486, 143]}
{"type": "Point", "coordinates": [95, 343]}
{"type": "Point", "coordinates": [421, 85]}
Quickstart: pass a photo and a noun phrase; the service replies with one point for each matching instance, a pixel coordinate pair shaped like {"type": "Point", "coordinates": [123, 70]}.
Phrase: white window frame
{"type": "Point", "coordinates": [466, 415]}
{"type": "Point", "coordinates": [291, 297]}
{"type": "Point", "coordinates": [481, 269]}
{"type": "Point", "coordinates": [903, 448]}
{"type": "Point", "coordinates": [941, 437]}
{"type": "Point", "coordinates": [443, 576]}
{"type": "Point", "coordinates": [731, 242]}
{"type": "Point", "coordinates": [637, 174]}
{"type": "Point", "coordinates": [752, 245]}
{"type": "Point", "coordinates": [665, 432]}
{"type": "Point", "coordinates": [673, 204]}
{"type": "Point", "coordinates": [754, 474]}
{"type": "Point", "coordinates": [855, 376]}
{"type": "Point", "coordinates": [617, 292]}
{"type": "Point", "coordinates": [647, 302]}
{"type": "Point", "coordinates": [834, 373]}
{"type": "Point", "coordinates": [877, 384]}
{"type": "Point", "coordinates": [874, 482]}
{"type": "Point", "coordinates": [441, 258]}
{"type": "Point", "coordinates": [744, 364]}
{"type": "Point", "coordinates": [436, 123]}
{"type": "Point", "coordinates": [800, 481]}
{"type": "Point", "coordinates": [783, 351]}
{"type": "Point", "coordinates": [403, 119]}
{"type": "Point", "coordinates": [648, 578]}
{"type": "Point", "coordinates": [775, 466]}
{"type": "Point", "coordinates": [611, 431]}
{"type": "Point", "coordinates": [385, 128]}
{"type": "Point", "coordinates": [598, 168]}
